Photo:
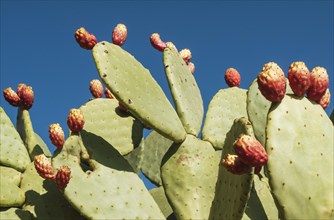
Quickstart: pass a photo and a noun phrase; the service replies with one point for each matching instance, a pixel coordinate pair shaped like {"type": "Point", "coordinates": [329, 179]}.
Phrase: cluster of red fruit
{"type": "Point", "coordinates": [23, 97]}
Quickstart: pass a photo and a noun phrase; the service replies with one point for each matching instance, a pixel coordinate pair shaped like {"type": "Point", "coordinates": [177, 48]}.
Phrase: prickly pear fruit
{"type": "Point", "coordinates": [63, 177]}
{"type": "Point", "coordinates": [232, 77]}
{"type": "Point", "coordinates": [11, 97]}
{"type": "Point", "coordinates": [43, 167]}
{"type": "Point", "coordinates": [119, 34]}
{"type": "Point", "coordinates": [191, 67]}
{"type": "Point", "coordinates": [26, 95]}
{"type": "Point", "coordinates": [96, 88]}
{"type": "Point", "coordinates": [250, 151]}
{"type": "Point", "coordinates": [271, 82]}
{"type": "Point", "coordinates": [157, 43]}
{"type": "Point", "coordinates": [75, 120]}
{"type": "Point", "coordinates": [122, 107]}
{"type": "Point", "coordinates": [319, 83]}
{"type": "Point", "coordinates": [185, 54]}
{"type": "Point", "coordinates": [85, 39]}
{"type": "Point", "coordinates": [325, 99]}
{"type": "Point", "coordinates": [108, 94]}
{"type": "Point", "coordinates": [56, 135]}
{"type": "Point", "coordinates": [234, 164]}
{"type": "Point", "coordinates": [299, 78]}
{"type": "Point", "coordinates": [171, 45]}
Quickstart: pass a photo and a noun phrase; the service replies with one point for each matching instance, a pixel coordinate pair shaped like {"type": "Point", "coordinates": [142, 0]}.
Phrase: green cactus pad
{"type": "Point", "coordinates": [11, 195]}
{"type": "Point", "coordinates": [43, 199]}
{"type": "Point", "coordinates": [261, 203]}
{"type": "Point", "coordinates": [10, 175]}
{"type": "Point", "coordinates": [257, 109]}
{"type": "Point", "coordinates": [300, 167]}
{"type": "Point", "coordinates": [29, 137]}
{"type": "Point", "coordinates": [133, 85]}
{"type": "Point", "coordinates": [43, 145]}
{"type": "Point", "coordinates": [332, 117]}
{"type": "Point", "coordinates": [189, 173]}
{"type": "Point", "coordinates": [15, 214]}
{"type": "Point", "coordinates": [13, 153]}
{"type": "Point", "coordinates": [232, 191]}
{"type": "Point", "coordinates": [156, 147]}
{"type": "Point", "coordinates": [135, 158]}
{"type": "Point", "coordinates": [185, 92]}
{"type": "Point", "coordinates": [226, 105]}
{"type": "Point", "coordinates": [104, 119]}
{"type": "Point", "coordinates": [103, 192]}
{"type": "Point", "coordinates": [160, 198]}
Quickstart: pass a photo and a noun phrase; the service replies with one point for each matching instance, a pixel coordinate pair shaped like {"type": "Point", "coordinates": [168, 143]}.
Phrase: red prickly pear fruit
{"type": "Point", "coordinates": [171, 45]}
{"type": "Point", "coordinates": [250, 151]}
{"type": "Point", "coordinates": [11, 97]}
{"type": "Point", "coordinates": [325, 99]}
{"type": "Point", "coordinates": [63, 177]}
{"type": "Point", "coordinates": [191, 67]}
{"type": "Point", "coordinates": [319, 83]}
{"type": "Point", "coordinates": [185, 54]}
{"type": "Point", "coordinates": [271, 82]}
{"type": "Point", "coordinates": [257, 170]}
{"type": "Point", "coordinates": [26, 95]}
{"type": "Point", "coordinates": [56, 135]}
{"type": "Point", "coordinates": [96, 88]}
{"type": "Point", "coordinates": [85, 39]}
{"type": "Point", "coordinates": [122, 107]}
{"type": "Point", "coordinates": [234, 165]}
{"type": "Point", "coordinates": [157, 43]}
{"type": "Point", "coordinates": [75, 120]}
{"type": "Point", "coordinates": [108, 94]}
{"type": "Point", "coordinates": [299, 78]}
{"type": "Point", "coordinates": [119, 34]}
{"type": "Point", "coordinates": [232, 77]}
{"type": "Point", "coordinates": [43, 167]}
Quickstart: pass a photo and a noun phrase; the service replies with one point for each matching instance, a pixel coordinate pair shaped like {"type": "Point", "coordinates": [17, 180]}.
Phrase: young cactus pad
{"type": "Point", "coordinates": [232, 191]}
{"type": "Point", "coordinates": [225, 106]}
{"type": "Point", "coordinates": [185, 92]}
{"type": "Point", "coordinates": [131, 83]}
{"type": "Point", "coordinates": [300, 167]}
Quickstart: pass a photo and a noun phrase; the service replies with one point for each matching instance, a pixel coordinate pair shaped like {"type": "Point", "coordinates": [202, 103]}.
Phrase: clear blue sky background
{"type": "Point", "coordinates": [38, 46]}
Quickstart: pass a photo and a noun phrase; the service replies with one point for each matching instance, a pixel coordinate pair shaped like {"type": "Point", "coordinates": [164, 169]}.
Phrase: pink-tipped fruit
{"type": "Point", "coordinates": [108, 94]}
{"type": "Point", "coordinates": [325, 99]}
{"type": "Point", "coordinates": [122, 107]}
{"type": "Point", "coordinates": [43, 167]}
{"type": "Point", "coordinates": [271, 82]}
{"type": "Point", "coordinates": [85, 39]}
{"type": "Point", "coordinates": [171, 45]}
{"type": "Point", "coordinates": [75, 120]}
{"type": "Point", "coordinates": [157, 43]}
{"type": "Point", "coordinates": [185, 54]}
{"type": "Point", "coordinates": [250, 151]}
{"type": "Point", "coordinates": [119, 34]}
{"type": "Point", "coordinates": [63, 177]}
{"type": "Point", "coordinates": [11, 97]}
{"type": "Point", "coordinates": [234, 164]}
{"type": "Point", "coordinates": [191, 67]}
{"type": "Point", "coordinates": [96, 88]}
{"type": "Point", "coordinates": [232, 77]}
{"type": "Point", "coordinates": [319, 83]}
{"type": "Point", "coordinates": [299, 78]}
{"type": "Point", "coordinates": [56, 135]}
{"type": "Point", "coordinates": [26, 95]}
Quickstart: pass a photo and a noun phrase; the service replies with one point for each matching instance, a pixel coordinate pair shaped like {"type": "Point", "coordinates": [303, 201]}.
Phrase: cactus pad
{"type": "Point", "coordinates": [11, 195]}
{"type": "Point", "coordinates": [15, 214]}
{"type": "Point", "coordinates": [135, 158]}
{"type": "Point", "coordinates": [104, 191]}
{"type": "Point", "coordinates": [232, 191]}
{"type": "Point", "coordinates": [226, 105]}
{"type": "Point", "coordinates": [13, 153]}
{"type": "Point", "coordinates": [160, 198]}
{"type": "Point", "coordinates": [185, 92]}
{"type": "Point", "coordinates": [130, 82]}
{"type": "Point", "coordinates": [104, 119]}
{"type": "Point", "coordinates": [300, 167]}
{"type": "Point", "coordinates": [189, 173]}
{"type": "Point", "coordinates": [156, 147]}
{"type": "Point", "coordinates": [10, 175]}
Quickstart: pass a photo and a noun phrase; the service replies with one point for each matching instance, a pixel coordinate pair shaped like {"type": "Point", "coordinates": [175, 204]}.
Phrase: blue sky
{"type": "Point", "coordinates": [38, 46]}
